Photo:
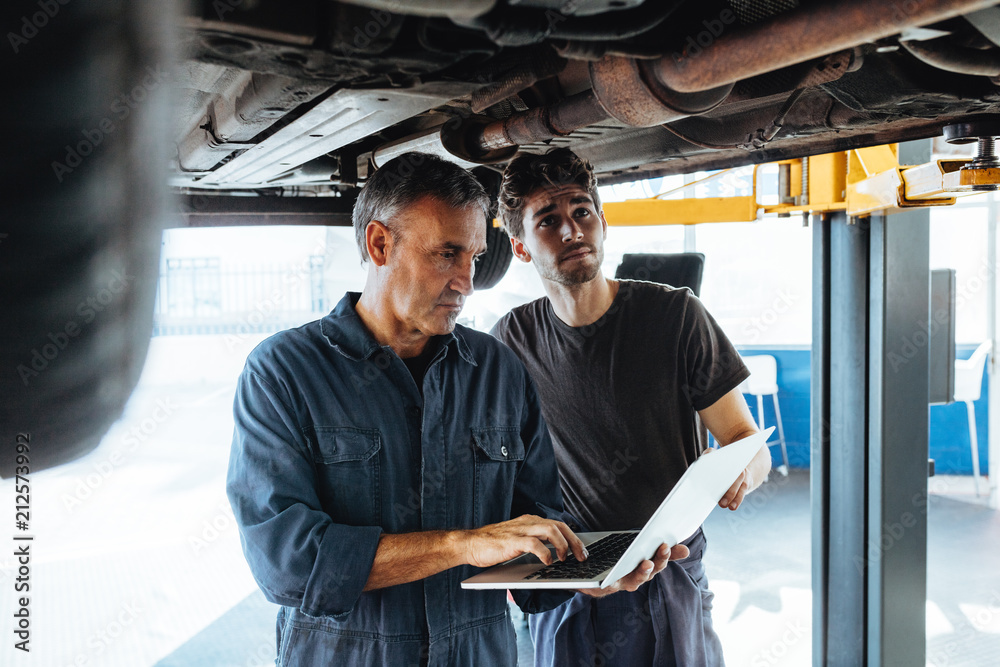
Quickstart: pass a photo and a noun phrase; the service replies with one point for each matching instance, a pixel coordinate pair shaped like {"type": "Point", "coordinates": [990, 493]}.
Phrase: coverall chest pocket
{"type": "Point", "coordinates": [498, 453]}
{"type": "Point", "coordinates": [347, 464]}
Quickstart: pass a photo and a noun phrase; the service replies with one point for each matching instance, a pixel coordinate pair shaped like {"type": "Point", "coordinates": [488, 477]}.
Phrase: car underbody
{"type": "Point", "coordinates": [306, 98]}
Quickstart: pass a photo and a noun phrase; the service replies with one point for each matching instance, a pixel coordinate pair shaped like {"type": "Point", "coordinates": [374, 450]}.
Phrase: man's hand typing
{"type": "Point", "coordinates": [502, 541]}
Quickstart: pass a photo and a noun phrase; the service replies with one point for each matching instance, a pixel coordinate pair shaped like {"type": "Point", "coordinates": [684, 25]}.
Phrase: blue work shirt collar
{"type": "Point", "coordinates": [348, 335]}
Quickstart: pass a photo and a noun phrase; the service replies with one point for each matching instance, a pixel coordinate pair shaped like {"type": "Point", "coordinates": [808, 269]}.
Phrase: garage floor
{"type": "Point", "coordinates": [758, 563]}
{"type": "Point", "coordinates": [137, 560]}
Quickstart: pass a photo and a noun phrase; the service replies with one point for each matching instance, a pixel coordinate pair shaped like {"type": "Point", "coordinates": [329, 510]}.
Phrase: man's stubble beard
{"type": "Point", "coordinates": [577, 276]}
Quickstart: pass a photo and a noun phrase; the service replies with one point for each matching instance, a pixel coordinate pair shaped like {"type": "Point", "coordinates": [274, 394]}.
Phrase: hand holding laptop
{"type": "Point", "coordinates": [734, 496]}
{"type": "Point", "coordinates": [643, 572]}
{"type": "Point", "coordinates": [620, 558]}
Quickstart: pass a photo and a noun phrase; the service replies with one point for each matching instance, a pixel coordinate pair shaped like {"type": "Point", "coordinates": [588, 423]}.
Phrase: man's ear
{"type": "Point", "coordinates": [604, 224]}
{"type": "Point", "coordinates": [517, 246]}
{"type": "Point", "coordinates": [378, 241]}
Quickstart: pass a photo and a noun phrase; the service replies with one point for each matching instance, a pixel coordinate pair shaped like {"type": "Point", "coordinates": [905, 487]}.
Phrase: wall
{"type": "Point", "coordinates": [949, 429]}
{"type": "Point", "coordinates": [793, 401]}
{"type": "Point", "coordinates": [949, 434]}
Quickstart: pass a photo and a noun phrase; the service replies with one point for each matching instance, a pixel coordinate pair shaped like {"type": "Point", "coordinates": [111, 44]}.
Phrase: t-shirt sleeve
{"type": "Point", "coordinates": [712, 364]}
{"type": "Point", "coordinates": [298, 555]}
{"type": "Point", "coordinates": [500, 329]}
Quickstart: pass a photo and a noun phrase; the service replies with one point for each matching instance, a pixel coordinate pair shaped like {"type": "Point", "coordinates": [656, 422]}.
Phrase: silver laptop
{"type": "Point", "coordinates": [614, 554]}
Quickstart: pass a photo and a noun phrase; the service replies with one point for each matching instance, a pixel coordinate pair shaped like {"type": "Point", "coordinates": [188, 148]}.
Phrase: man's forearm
{"type": "Point", "coordinates": [760, 464]}
{"type": "Point", "coordinates": [401, 559]}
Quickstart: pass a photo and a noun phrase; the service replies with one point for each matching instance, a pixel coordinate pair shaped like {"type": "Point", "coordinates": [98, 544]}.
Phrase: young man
{"type": "Point", "coordinates": [380, 453]}
{"type": "Point", "coordinates": [622, 368]}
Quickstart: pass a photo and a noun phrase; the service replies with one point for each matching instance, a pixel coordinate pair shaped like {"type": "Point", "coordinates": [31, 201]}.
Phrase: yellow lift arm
{"type": "Point", "coordinates": [860, 181]}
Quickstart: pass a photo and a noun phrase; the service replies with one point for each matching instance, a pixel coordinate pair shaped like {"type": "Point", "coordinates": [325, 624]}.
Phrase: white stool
{"type": "Point", "coordinates": [968, 388]}
{"type": "Point", "coordinates": [763, 381]}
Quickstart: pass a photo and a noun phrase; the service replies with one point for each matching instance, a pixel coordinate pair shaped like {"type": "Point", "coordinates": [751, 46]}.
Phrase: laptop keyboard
{"type": "Point", "coordinates": [603, 554]}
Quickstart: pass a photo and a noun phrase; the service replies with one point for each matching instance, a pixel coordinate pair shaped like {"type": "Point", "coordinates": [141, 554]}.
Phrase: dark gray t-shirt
{"type": "Point", "coordinates": [620, 395]}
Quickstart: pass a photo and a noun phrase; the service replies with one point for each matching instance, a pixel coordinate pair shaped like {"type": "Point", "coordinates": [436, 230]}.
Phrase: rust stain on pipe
{"type": "Point", "coordinates": [543, 123]}
{"type": "Point", "coordinates": [802, 35]}
{"type": "Point", "coordinates": [523, 75]}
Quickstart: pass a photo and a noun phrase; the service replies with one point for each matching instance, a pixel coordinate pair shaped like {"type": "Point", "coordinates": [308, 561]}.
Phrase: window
{"type": "Point", "coordinates": [959, 241]}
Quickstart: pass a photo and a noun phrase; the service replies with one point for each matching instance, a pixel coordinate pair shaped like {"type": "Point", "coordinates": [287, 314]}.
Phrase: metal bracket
{"type": "Point", "coordinates": [861, 181]}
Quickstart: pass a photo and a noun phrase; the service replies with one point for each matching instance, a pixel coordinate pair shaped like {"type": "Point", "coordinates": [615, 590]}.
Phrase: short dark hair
{"type": "Point", "coordinates": [404, 180]}
{"type": "Point", "coordinates": [528, 172]}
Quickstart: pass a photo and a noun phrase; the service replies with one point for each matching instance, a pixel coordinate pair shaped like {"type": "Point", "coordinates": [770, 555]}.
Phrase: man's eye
{"type": "Point", "coordinates": [448, 255]}
{"type": "Point", "coordinates": [545, 222]}
{"type": "Point", "coordinates": [581, 212]}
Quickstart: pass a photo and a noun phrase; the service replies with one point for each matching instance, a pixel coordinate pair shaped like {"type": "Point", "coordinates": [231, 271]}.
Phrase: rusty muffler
{"type": "Point", "coordinates": [644, 93]}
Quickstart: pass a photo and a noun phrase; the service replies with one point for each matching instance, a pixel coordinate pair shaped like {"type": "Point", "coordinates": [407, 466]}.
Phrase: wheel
{"type": "Point", "coordinates": [80, 229]}
{"type": "Point", "coordinates": [493, 265]}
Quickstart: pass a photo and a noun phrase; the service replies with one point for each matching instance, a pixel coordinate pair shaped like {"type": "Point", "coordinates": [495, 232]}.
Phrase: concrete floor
{"type": "Point", "coordinates": [758, 563]}
{"type": "Point", "coordinates": [137, 559]}
{"type": "Point", "coordinates": [759, 566]}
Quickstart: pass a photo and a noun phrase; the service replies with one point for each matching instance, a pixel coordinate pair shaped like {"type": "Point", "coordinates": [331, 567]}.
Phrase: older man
{"type": "Point", "coordinates": [380, 452]}
{"type": "Point", "coordinates": [622, 368]}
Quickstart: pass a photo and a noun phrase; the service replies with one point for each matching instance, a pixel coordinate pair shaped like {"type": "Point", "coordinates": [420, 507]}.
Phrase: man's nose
{"type": "Point", "coordinates": [462, 280]}
{"type": "Point", "coordinates": [571, 231]}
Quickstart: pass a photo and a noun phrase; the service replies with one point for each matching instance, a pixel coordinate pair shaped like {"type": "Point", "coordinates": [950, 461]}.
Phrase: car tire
{"type": "Point", "coordinates": [493, 265]}
{"type": "Point", "coordinates": [81, 227]}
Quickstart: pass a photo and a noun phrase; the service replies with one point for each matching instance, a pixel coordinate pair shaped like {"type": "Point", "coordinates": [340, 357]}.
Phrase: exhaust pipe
{"type": "Point", "coordinates": [644, 93]}
{"type": "Point", "coordinates": [801, 35]}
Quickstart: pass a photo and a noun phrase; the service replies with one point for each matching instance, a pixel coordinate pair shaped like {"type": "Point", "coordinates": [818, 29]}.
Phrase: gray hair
{"type": "Point", "coordinates": [403, 180]}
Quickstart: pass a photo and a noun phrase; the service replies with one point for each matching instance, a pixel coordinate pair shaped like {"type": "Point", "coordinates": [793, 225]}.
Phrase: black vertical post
{"type": "Point", "coordinates": [869, 437]}
{"type": "Point", "coordinates": [897, 529]}
{"type": "Point", "coordinates": [841, 426]}
{"type": "Point", "coordinates": [819, 466]}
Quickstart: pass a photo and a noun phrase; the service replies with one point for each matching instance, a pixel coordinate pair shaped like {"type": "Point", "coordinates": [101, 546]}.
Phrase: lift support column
{"type": "Point", "coordinates": [869, 434]}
